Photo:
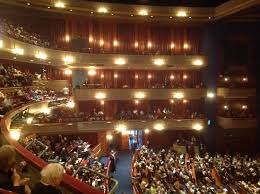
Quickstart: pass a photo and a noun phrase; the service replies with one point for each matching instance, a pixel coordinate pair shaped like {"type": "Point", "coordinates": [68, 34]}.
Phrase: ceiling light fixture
{"type": "Point", "coordinates": [59, 4]}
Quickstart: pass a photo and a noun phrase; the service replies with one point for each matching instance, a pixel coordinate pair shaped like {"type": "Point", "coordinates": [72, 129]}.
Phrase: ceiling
{"type": "Point", "coordinates": [188, 3]}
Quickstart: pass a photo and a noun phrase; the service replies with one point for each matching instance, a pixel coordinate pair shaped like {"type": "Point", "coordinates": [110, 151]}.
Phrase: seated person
{"type": "Point", "coordinates": [51, 177]}
{"type": "Point", "coordinates": [9, 178]}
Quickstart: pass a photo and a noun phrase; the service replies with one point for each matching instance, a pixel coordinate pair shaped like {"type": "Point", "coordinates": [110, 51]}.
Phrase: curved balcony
{"type": "Point", "coordinates": [236, 92]}
{"type": "Point", "coordinates": [56, 58]}
{"type": "Point", "coordinates": [237, 123]}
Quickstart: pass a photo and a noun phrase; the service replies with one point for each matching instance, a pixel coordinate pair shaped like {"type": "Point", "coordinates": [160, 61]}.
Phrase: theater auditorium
{"type": "Point", "coordinates": [129, 97]}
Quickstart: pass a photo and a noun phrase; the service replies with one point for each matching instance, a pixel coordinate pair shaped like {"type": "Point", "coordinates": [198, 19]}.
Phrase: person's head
{"type": "Point", "coordinates": [7, 157]}
{"type": "Point", "coordinates": [52, 174]}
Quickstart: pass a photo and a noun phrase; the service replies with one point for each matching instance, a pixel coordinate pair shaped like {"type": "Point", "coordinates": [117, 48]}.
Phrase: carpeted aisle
{"type": "Point", "coordinates": [123, 173]}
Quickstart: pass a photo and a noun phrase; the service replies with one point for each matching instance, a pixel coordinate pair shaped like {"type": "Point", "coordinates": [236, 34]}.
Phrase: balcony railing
{"type": "Point", "coordinates": [237, 123]}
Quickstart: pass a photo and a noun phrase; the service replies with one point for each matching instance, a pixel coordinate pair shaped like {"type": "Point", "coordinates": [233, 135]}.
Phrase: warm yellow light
{"type": "Point", "coordinates": [178, 95]}
{"type": "Point", "coordinates": [102, 75]}
{"type": "Point", "coordinates": [149, 44]}
{"type": "Point", "coordinates": [92, 72]}
{"type": "Point", "coordinates": [102, 10]}
{"type": "Point", "coordinates": [136, 76]}
{"type": "Point", "coordinates": [109, 137]}
{"type": "Point", "coordinates": [137, 101]}
{"type": "Point", "coordinates": [15, 134]}
{"type": "Point", "coordinates": [71, 104]}
{"type": "Point", "coordinates": [115, 76]}
{"type": "Point", "coordinates": [172, 45]}
{"type": "Point", "coordinates": [159, 62]}
{"type": "Point", "coordinates": [67, 71]}
{"type": "Point", "coordinates": [100, 95]}
{"type": "Point", "coordinates": [1, 43]}
{"type": "Point", "coordinates": [115, 43]}
{"type": "Point", "coordinates": [159, 126]}
{"type": "Point", "coordinates": [59, 4]}
{"type": "Point", "coordinates": [225, 107]}
{"type": "Point", "coordinates": [211, 95]}
{"type": "Point", "coordinates": [245, 79]}
{"type": "Point", "coordinates": [101, 42]}
{"type": "Point", "coordinates": [172, 101]}
{"type": "Point", "coordinates": [146, 131]}
{"type": "Point", "coordinates": [41, 55]}
{"type": "Point", "coordinates": [121, 128]}
{"type": "Point", "coordinates": [181, 13]}
{"type": "Point", "coordinates": [185, 76]}
{"type": "Point", "coordinates": [197, 62]}
{"type": "Point", "coordinates": [68, 59]}
{"type": "Point", "coordinates": [90, 39]}
{"type": "Point", "coordinates": [126, 132]}
{"type": "Point", "coordinates": [46, 110]}
{"type": "Point", "coordinates": [140, 95]}
{"type": "Point", "coordinates": [18, 51]}
{"type": "Point", "coordinates": [67, 38]}
{"type": "Point", "coordinates": [172, 77]}
{"type": "Point", "coordinates": [244, 107]}
{"type": "Point", "coordinates": [102, 102]}
{"type": "Point", "coordinates": [184, 101]}
{"type": "Point", "coordinates": [149, 76]}
{"type": "Point", "coordinates": [226, 79]}
{"type": "Point", "coordinates": [120, 61]}
{"type": "Point", "coordinates": [143, 12]}
{"type": "Point", "coordinates": [29, 120]}
{"type": "Point", "coordinates": [197, 127]}
{"type": "Point", "coordinates": [136, 44]}
{"type": "Point", "coordinates": [185, 46]}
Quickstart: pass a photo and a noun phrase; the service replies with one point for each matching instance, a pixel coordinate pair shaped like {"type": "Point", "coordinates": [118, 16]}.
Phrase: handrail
{"type": "Point", "coordinates": [42, 144]}
{"type": "Point", "coordinates": [135, 190]}
{"type": "Point", "coordinates": [107, 174]}
{"type": "Point", "coordinates": [68, 182]}
{"type": "Point", "coordinates": [99, 174]}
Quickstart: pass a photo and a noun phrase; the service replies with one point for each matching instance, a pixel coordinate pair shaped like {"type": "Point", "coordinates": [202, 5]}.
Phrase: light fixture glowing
{"type": "Point", "coordinates": [226, 107]}
{"type": "Point", "coordinates": [149, 44]}
{"type": "Point", "coordinates": [101, 42]}
{"type": "Point", "coordinates": [29, 120]}
{"type": "Point", "coordinates": [197, 62]}
{"type": "Point", "coordinates": [226, 79]}
{"type": "Point", "coordinates": [178, 95]}
{"type": "Point", "coordinates": [70, 104]}
{"type": "Point", "coordinates": [149, 76]}
{"type": "Point", "coordinates": [120, 61]}
{"type": "Point", "coordinates": [18, 51]}
{"type": "Point", "coordinates": [172, 101]}
{"type": "Point", "coordinates": [67, 38]}
{"type": "Point", "coordinates": [115, 43]}
{"type": "Point", "coordinates": [41, 55]}
{"type": "Point", "coordinates": [90, 39]}
{"type": "Point", "coordinates": [181, 13]}
{"type": "Point", "coordinates": [46, 110]}
{"type": "Point", "coordinates": [15, 134]}
{"type": "Point", "coordinates": [146, 131]}
{"type": "Point", "coordinates": [100, 95]}
{"type": "Point", "coordinates": [67, 71]}
{"type": "Point", "coordinates": [92, 72]}
{"type": "Point", "coordinates": [102, 102]}
{"type": "Point", "coordinates": [159, 126]}
{"type": "Point", "coordinates": [137, 101]}
{"type": "Point", "coordinates": [102, 76]}
{"type": "Point", "coordinates": [121, 128]}
{"type": "Point", "coordinates": [59, 4]}
{"type": "Point", "coordinates": [1, 43]}
{"type": "Point", "coordinates": [115, 75]}
{"type": "Point", "coordinates": [68, 59]}
{"type": "Point", "coordinates": [245, 79]}
{"type": "Point", "coordinates": [244, 107]}
{"type": "Point", "coordinates": [136, 76]}
{"type": "Point", "coordinates": [197, 127]}
{"type": "Point", "coordinates": [172, 45]}
{"type": "Point", "coordinates": [185, 76]}
{"type": "Point", "coordinates": [171, 77]}
{"type": "Point", "coordinates": [139, 95]}
{"type": "Point", "coordinates": [109, 137]}
{"type": "Point", "coordinates": [136, 44]}
{"type": "Point", "coordinates": [159, 62]}
{"type": "Point", "coordinates": [185, 46]}
{"type": "Point", "coordinates": [184, 101]}
{"type": "Point", "coordinates": [102, 10]}
{"type": "Point", "coordinates": [143, 12]}
{"type": "Point", "coordinates": [211, 95]}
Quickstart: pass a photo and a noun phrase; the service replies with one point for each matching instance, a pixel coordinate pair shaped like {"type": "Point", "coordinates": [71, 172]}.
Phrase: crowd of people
{"type": "Point", "coordinates": [72, 153]}
{"type": "Point", "coordinates": [20, 33]}
{"type": "Point", "coordinates": [237, 113]}
{"type": "Point", "coordinates": [172, 172]}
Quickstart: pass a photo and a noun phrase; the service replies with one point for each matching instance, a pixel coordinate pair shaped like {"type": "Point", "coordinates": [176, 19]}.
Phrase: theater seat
{"type": "Point", "coordinates": [3, 191]}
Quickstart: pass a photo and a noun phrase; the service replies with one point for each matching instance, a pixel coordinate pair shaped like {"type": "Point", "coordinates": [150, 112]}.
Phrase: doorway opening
{"type": "Point", "coordinates": [135, 139]}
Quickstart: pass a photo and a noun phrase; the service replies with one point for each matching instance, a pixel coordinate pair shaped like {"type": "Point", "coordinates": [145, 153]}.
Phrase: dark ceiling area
{"type": "Point", "coordinates": [188, 3]}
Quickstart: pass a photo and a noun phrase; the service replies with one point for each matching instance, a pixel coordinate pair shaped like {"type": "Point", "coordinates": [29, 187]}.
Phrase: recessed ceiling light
{"type": "Point", "coordinates": [59, 4]}
{"type": "Point", "coordinates": [28, 4]}
{"type": "Point", "coordinates": [132, 15]}
{"type": "Point", "coordinates": [181, 13]}
{"type": "Point", "coordinates": [170, 17]}
{"type": "Point", "coordinates": [92, 12]}
{"type": "Point", "coordinates": [102, 10]}
{"type": "Point", "coordinates": [48, 7]}
{"type": "Point", "coordinates": [70, 9]}
{"type": "Point", "coordinates": [143, 12]}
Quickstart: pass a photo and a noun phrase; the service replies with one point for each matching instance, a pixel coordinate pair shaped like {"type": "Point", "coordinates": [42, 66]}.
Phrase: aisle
{"type": "Point", "coordinates": [123, 173]}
